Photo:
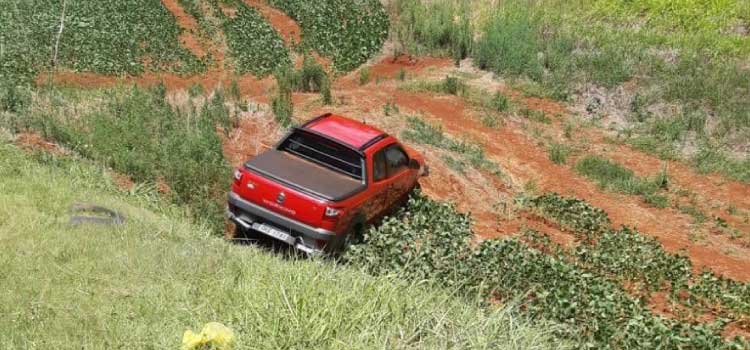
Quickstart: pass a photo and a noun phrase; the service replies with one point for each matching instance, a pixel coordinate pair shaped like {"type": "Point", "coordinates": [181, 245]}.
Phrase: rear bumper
{"type": "Point", "coordinates": [245, 213]}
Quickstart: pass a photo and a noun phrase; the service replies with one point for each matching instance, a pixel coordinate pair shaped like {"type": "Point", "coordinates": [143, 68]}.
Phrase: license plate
{"type": "Point", "coordinates": [273, 232]}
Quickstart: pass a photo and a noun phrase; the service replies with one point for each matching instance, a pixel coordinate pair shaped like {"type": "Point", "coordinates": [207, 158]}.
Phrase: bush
{"type": "Point", "coordinates": [364, 75]}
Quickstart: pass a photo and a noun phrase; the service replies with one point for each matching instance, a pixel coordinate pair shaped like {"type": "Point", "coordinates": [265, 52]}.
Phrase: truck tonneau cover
{"type": "Point", "coordinates": [304, 175]}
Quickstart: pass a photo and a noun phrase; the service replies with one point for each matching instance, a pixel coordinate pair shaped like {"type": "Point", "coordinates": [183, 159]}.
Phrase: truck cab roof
{"type": "Point", "coordinates": [351, 132]}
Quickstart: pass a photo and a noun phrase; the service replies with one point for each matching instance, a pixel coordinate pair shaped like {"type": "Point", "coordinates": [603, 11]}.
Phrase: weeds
{"type": "Point", "coordinates": [401, 75]}
{"type": "Point", "coordinates": [281, 104]}
{"type": "Point", "coordinates": [698, 68]}
{"type": "Point", "coordinates": [421, 132]}
{"type": "Point", "coordinates": [558, 153]}
{"type": "Point", "coordinates": [613, 176]}
{"type": "Point", "coordinates": [135, 132]}
{"type": "Point", "coordinates": [534, 115]}
{"type": "Point", "coordinates": [390, 109]}
{"type": "Point", "coordinates": [364, 75]}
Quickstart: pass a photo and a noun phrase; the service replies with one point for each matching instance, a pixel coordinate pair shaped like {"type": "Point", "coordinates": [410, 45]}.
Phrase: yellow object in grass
{"type": "Point", "coordinates": [214, 336]}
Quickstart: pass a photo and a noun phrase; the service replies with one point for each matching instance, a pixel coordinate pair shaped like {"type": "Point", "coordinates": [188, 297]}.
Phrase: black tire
{"type": "Point", "coordinates": [355, 236]}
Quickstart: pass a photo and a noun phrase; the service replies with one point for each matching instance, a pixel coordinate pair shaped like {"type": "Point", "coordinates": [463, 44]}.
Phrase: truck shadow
{"type": "Point", "coordinates": [271, 245]}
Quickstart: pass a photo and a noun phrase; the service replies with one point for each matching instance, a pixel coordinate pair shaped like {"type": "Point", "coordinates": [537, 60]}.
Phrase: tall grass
{"type": "Point", "coordinates": [136, 132]}
{"type": "Point", "coordinates": [142, 284]}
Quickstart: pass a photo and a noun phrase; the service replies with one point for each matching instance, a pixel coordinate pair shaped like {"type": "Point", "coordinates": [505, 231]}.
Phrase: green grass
{"type": "Point", "coordinates": [108, 38]}
{"type": "Point", "coordinates": [254, 44]}
{"type": "Point", "coordinates": [448, 86]}
{"type": "Point", "coordinates": [613, 176]}
{"type": "Point", "coordinates": [142, 284]}
{"type": "Point", "coordinates": [491, 104]}
{"type": "Point", "coordinates": [347, 31]}
{"type": "Point", "coordinates": [419, 131]}
{"type": "Point", "coordinates": [137, 133]}
{"type": "Point", "coordinates": [558, 153]}
{"type": "Point", "coordinates": [682, 53]}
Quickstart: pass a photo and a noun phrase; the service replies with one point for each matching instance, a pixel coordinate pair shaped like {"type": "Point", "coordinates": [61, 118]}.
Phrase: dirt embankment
{"type": "Point", "coordinates": [524, 160]}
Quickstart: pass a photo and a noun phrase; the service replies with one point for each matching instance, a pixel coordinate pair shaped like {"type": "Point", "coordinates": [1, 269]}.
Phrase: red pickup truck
{"type": "Point", "coordinates": [319, 187]}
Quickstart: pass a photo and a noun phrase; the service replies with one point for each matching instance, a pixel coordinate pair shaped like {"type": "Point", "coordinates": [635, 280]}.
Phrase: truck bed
{"type": "Point", "coordinates": [304, 175]}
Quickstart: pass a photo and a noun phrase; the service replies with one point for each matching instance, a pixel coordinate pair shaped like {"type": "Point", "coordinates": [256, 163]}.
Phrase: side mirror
{"type": "Point", "coordinates": [414, 164]}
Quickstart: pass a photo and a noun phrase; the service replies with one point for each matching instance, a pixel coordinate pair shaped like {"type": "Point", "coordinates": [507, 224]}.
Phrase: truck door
{"type": "Point", "coordinates": [377, 203]}
{"type": "Point", "coordinates": [397, 169]}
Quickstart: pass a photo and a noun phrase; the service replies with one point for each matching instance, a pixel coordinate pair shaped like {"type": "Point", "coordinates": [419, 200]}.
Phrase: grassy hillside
{"type": "Point", "coordinates": [140, 285]}
{"type": "Point", "coordinates": [680, 67]}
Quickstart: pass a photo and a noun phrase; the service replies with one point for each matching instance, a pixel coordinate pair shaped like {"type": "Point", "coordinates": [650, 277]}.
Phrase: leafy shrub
{"type": "Point", "coordinates": [428, 240]}
{"type": "Point", "coordinates": [575, 214]}
{"type": "Point", "coordinates": [348, 31]}
{"type": "Point", "coordinates": [312, 76]}
{"type": "Point", "coordinates": [423, 241]}
{"type": "Point", "coordinates": [103, 37]}
{"type": "Point", "coordinates": [13, 98]}
{"type": "Point", "coordinates": [254, 44]}
{"type": "Point", "coordinates": [632, 256]}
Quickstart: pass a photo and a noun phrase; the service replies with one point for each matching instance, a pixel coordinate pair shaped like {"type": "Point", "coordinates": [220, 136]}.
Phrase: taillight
{"type": "Point", "coordinates": [332, 213]}
{"type": "Point", "coordinates": [237, 175]}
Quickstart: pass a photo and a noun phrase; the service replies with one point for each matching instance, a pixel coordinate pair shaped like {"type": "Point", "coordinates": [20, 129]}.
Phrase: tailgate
{"type": "Point", "coordinates": [280, 199]}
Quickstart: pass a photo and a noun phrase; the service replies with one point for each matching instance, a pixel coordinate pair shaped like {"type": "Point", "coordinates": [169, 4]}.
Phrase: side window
{"type": "Point", "coordinates": [396, 160]}
{"type": "Point", "coordinates": [378, 170]}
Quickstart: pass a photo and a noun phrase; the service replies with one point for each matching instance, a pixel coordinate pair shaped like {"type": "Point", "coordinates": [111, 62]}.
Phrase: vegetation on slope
{"type": "Point", "coordinates": [254, 44]}
{"type": "Point", "coordinates": [562, 49]}
{"type": "Point", "coordinates": [349, 32]}
{"type": "Point", "coordinates": [116, 37]}
{"type": "Point", "coordinates": [142, 284]}
{"type": "Point", "coordinates": [431, 241]}
{"type": "Point", "coordinates": [137, 133]}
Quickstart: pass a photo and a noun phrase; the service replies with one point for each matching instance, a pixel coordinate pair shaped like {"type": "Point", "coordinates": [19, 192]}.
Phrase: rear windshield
{"type": "Point", "coordinates": [325, 152]}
